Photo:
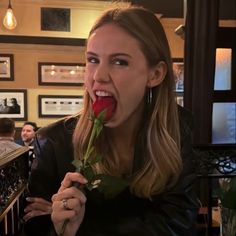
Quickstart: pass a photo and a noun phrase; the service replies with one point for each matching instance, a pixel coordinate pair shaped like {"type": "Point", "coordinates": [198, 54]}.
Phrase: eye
{"type": "Point", "coordinates": [92, 60]}
{"type": "Point", "coordinates": [120, 62]}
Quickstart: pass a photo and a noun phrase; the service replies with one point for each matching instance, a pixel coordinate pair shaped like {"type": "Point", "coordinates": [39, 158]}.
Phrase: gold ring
{"type": "Point", "coordinates": [65, 204]}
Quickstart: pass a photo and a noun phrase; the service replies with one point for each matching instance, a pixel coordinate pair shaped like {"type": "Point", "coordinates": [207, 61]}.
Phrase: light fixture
{"type": "Point", "coordinates": [180, 31]}
{"type": "Point", "coordinates": [9, 20]}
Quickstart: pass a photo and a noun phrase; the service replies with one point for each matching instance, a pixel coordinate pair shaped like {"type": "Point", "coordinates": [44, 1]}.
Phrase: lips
{"type": "Point", "coordinates": [107, 103]}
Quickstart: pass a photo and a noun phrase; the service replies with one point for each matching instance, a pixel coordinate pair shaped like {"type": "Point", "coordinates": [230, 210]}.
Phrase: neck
{"type": "Point", "coordinates": [127, 131]}
{"type": "Point", "coordinates": [27, 143]}
{"type": "Point", "coordinates": [123, 142]}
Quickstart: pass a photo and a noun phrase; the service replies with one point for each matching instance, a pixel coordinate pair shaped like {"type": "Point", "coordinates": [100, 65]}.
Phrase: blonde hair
{"type": "Point", "coordinates": [157, 149]}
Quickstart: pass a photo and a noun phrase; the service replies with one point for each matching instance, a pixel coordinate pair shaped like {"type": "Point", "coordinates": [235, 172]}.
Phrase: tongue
{"type": "Point", "coordinates": [105, 103]}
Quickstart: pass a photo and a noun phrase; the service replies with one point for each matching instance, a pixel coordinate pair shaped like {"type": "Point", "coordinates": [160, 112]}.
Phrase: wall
{"type": "Point", "coordinates": [27, 12]}
{"type": "Point", "coordinates": [27, 56]}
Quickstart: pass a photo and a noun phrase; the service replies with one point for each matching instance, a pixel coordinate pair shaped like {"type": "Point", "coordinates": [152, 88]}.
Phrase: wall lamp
{"type": "Point", "coordinates": [9, 20]}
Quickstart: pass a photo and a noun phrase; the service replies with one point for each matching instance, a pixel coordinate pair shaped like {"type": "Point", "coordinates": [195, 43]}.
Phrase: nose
{"type": "Point", "coordinates": [102, 73]}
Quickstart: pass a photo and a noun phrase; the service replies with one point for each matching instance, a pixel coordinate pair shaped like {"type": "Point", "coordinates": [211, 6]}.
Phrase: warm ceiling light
{"type": "Point", "coordinates": [9, 20]}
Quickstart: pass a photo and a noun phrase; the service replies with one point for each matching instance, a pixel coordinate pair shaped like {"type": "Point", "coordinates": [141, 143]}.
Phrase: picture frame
{"type": "Point", "coordinates": [13, 103]}
{"type": "Point", "coordinates": [178, 69]}
{"type": "Point", "coordinates": [59, 105]}
{"type": "Point", "coordinates": [61, 74]}
{"type": "Point", "coordinates": [6, 67]}
{"type": "Point", "coordinates": [55, 19]}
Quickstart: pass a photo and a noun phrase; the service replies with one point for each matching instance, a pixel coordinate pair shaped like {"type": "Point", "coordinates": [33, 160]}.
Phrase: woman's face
{"type": "Point", "coordinates": [116, 66]}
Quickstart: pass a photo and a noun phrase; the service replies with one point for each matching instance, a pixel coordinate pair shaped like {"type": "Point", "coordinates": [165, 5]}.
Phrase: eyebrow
{"type": "Point", "coordinates": [112, 55]}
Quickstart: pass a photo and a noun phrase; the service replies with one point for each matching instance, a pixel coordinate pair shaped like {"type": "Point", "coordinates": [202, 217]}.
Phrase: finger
{"type": "Point", "coordinates": [34, 213]}
{"type": "Point", "coordinates": [61, 207]}
{"type": "Point", "coordinates": [71, 204]}
{"type": "Point", "coordinates": [37, 199]}
{"type": "Point", "coordinates": [59, 218]}
{"type": "Point", "coordinates": [68, 193]}
{"type": "Point", "coordinates": [71, 177]}
{"type": "Point", "coordinates": [38, 206]}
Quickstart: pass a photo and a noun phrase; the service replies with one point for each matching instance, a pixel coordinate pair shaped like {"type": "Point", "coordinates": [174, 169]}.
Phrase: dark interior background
{"type": "Point", "coordinates": [174, 8]}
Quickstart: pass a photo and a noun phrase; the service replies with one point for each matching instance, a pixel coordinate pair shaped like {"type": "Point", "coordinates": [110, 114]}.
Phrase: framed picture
{"type": "Point", "coordinates": [6, 67]}
{"type": "Point", "coordinates": [67, 74]}
{"type": "Point", "coordinates": [55, 19]}
{"type": "Point", "coordinates": [13, 103]}
{"type": "Point", "coordinates": [178, 68]}
{"type": "Point", "coordinates": [59, 106]}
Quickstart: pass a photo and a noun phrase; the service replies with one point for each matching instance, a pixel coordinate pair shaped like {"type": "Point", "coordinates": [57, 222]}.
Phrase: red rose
{"type": "Point", "coordinates": [104, 103]}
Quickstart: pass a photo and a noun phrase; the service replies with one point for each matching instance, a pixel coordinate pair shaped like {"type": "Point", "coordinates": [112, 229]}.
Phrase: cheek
{"type": "Point", "coordinates": [131, 92]}
{"type": "Point", "coordinates": [88, 82]}
{"type": "Point", "coordinates": [88, 78]}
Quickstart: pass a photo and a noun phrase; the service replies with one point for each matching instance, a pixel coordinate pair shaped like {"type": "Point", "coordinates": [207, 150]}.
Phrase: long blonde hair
{"type": "Point", "coordinates": [157, 150]}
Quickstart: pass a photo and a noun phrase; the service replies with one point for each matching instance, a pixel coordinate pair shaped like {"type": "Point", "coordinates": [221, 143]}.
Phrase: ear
{"type": "Point", "coordinates": [157, 74]}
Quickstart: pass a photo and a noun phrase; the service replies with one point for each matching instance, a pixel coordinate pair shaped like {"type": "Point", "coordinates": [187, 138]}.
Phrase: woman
{"type": "Point", "coordinates": [128, 59]}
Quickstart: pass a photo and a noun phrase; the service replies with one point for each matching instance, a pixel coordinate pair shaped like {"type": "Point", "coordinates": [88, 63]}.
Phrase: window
{"type": "Point", "coordinates": [224, 99]}
{"type": "Point", "coordinates": [223, 69]}
{"type": "Point", "coordinates": [224, 123]}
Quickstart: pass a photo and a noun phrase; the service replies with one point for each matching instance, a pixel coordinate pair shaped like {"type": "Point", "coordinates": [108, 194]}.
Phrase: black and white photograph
{"type": "Point", "coordinates": [178, 68]}
{"type": "Point", "coordinates": [59, 106]}
{"type": "Point", "coordinates": [6, 67]}
{"type": "Point", "coordinates": [13, 104]}
{"type": "Point", "coordinates": [61, 74]}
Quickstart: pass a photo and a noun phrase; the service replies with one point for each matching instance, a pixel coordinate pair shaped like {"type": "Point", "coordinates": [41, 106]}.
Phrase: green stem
{"type": "Point", "coordinates": [63, 228]}
{"type": "Point", "coordinates": [96, 125]}
{"type": "Point", "coordinates": [91, 140]}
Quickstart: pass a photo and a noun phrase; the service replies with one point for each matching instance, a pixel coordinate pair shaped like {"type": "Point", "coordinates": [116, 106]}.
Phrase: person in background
{"type": "Point", "coordinates": [4, 108]}
{"type": "Point", "coordinates": [27, 139]}
{"type": "Point", "coordinates": [146, 141]}
{"type": "Point", "coordinates": [14, 106]}
{"type": "Point", "coordinates": [7, 134]}
{"type": "Point", "coordinates": [28, 134]}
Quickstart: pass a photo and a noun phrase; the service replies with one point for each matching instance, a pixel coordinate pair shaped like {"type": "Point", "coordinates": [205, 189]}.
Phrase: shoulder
{"type": "Point", "coordinates": [20, 142]}
{"type": "Point", "coordinates": [63, 126]}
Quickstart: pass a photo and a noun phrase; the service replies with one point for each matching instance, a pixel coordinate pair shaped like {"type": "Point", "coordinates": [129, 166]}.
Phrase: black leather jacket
{"type": "Point", "coordinates": [172, 213]}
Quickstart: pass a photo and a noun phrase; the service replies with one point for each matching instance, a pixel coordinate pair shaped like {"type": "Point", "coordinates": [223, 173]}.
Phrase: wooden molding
{"type": "Point", "coordinates": [41, 40]}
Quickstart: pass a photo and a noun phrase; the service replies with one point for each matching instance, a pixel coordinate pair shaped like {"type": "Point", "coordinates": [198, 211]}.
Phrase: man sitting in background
{"type": "Point", "coordinates": [28, 133]}
{"type": "Point", "coordinates": [7, 133]}
{"type": "Point", "coordinates": [27, 138]}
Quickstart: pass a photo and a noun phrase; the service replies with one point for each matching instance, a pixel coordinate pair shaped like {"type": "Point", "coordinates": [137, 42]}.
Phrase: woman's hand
{"type": "Point", "coordinates": [37, 207]}
{"type": "Point", "coordinates": [69, 205]}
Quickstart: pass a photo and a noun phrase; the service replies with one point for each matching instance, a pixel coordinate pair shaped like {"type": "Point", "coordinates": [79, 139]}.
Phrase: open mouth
{"type": "Point", "coordinates": [104, 101]}
{"type": "Point", "coordinates": [102, 93]}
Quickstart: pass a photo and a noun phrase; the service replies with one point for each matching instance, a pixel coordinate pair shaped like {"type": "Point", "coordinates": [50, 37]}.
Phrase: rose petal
{"type": "Point", "coordinates": [104, 103]}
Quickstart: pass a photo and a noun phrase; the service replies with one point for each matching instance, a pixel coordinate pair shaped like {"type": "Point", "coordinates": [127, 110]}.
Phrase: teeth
{"type": "Point", "coordinates": [102, 93]}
